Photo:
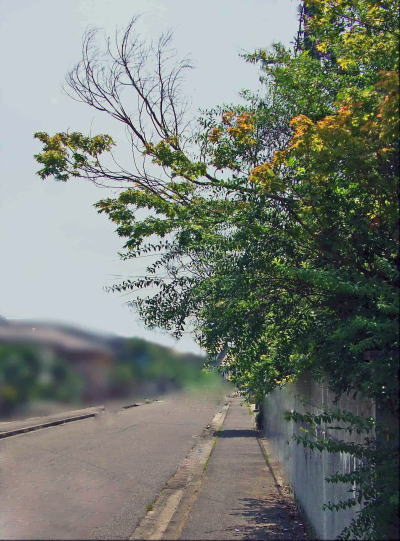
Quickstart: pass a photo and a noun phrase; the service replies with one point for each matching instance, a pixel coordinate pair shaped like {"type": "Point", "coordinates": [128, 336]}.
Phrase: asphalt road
{"type": "Point", "coordinates": [93, 479]}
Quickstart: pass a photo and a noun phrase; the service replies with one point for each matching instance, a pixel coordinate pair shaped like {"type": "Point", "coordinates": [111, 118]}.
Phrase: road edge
{"type": "Point", "coordinates": [63, 418]}
{"type": "Point", "coordinates": [49, 424]}
{"type": "Point", "coordinates": [169, 512]}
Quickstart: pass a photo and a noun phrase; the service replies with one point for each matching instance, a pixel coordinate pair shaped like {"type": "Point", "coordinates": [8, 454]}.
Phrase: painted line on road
{"type": "Point", "coordinates": [170, 510]}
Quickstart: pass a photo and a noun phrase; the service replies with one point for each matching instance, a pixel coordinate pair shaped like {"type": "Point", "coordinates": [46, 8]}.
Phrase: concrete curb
{"type": "Point", "coordinates": [145, 403]}
{"type": "Point", "coordinates": [169, 512]}
{"type": "Point", "coordinates": [64, 418]}
{"type": "Point", "coordinates": [135, 405]}
{"type": "Point", "coordinates": [48, 424]}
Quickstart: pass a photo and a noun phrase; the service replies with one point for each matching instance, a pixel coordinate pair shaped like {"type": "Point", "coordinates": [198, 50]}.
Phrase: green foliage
{"type": "Point", "coordinates": [273, 229]}
{"type": "Point", "coordinates": [138, 361]}
{"type": "Point", "coordinates": [29, 373]}
{"type": "Point", "coordinates": [33, 373]}
{"type": "Point", "coordinates": [372, 483]}
{"type": "Point", "coordinates": [67, 154]}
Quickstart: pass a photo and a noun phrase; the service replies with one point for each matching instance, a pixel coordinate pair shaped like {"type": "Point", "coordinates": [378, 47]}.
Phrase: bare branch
{"type": "Point", "coordinates": [129, 67]}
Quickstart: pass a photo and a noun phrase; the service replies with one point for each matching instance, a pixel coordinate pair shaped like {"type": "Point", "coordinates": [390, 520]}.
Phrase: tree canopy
{"type": "Point", "coordinates": [271, 223]}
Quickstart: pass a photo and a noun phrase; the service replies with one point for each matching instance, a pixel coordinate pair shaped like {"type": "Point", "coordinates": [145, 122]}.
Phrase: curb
{"type": "Point", "coordinates": [145, 403]}
{"type": "Point", "coordinates": [47, 424]}
{"type": "Point", "coordinates": [131, 406]}
{"type": "Point", "coordinates": [170, 510]}
{"type": "Point", "coordinates": [68, 419]}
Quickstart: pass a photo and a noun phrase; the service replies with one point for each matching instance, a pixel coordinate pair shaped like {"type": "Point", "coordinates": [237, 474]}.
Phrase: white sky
{"type": "Point", "coordinates": [57, 253]}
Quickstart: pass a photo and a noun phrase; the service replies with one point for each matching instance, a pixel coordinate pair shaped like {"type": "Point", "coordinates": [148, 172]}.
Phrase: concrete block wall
{"type": "Point", "coordinates": [304, 469]}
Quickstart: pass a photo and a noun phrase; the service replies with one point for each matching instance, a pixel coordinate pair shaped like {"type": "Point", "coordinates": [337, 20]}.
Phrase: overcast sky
{"type": "Point", "coordinates": [57, 253]}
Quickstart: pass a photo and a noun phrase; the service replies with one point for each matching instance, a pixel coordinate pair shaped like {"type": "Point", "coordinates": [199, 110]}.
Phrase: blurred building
{"type": "Point", "coordinates": [88, 353]}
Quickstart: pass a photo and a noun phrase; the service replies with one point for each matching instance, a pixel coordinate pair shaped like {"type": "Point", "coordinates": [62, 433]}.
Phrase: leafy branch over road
{"type": "Point", "coordinates": [273, 221]}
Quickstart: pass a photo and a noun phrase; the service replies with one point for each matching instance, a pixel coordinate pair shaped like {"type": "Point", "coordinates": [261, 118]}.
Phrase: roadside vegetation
{"type": "Point", "coordinates": [33, 375]}
{"type": "Point", "coordinates": [29, 374]}
{"type": "Point", "coordinates": [272, 222]}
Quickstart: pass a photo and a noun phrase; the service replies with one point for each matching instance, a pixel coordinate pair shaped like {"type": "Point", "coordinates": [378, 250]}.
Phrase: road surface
{"type": "Point", "coordinates": [95, 478]}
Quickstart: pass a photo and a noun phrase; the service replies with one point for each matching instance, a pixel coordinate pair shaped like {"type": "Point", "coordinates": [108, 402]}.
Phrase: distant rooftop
{"type": "Point", "coordinates": [30, 332]}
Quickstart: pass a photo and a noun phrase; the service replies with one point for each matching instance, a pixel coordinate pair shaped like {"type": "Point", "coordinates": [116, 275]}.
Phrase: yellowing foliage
{"type": "Point", "coordinates": [239, 126]}
{"type": "Point", "coordinates": [264, 175]}
{"type": "Point", "coordinates": [355, 30]}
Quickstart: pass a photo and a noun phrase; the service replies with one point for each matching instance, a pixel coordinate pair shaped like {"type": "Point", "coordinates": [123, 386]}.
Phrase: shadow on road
{"type": "Point", "coordinates": [237, 434]}
{"type": "Point", "coordinates": [267, 520]}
